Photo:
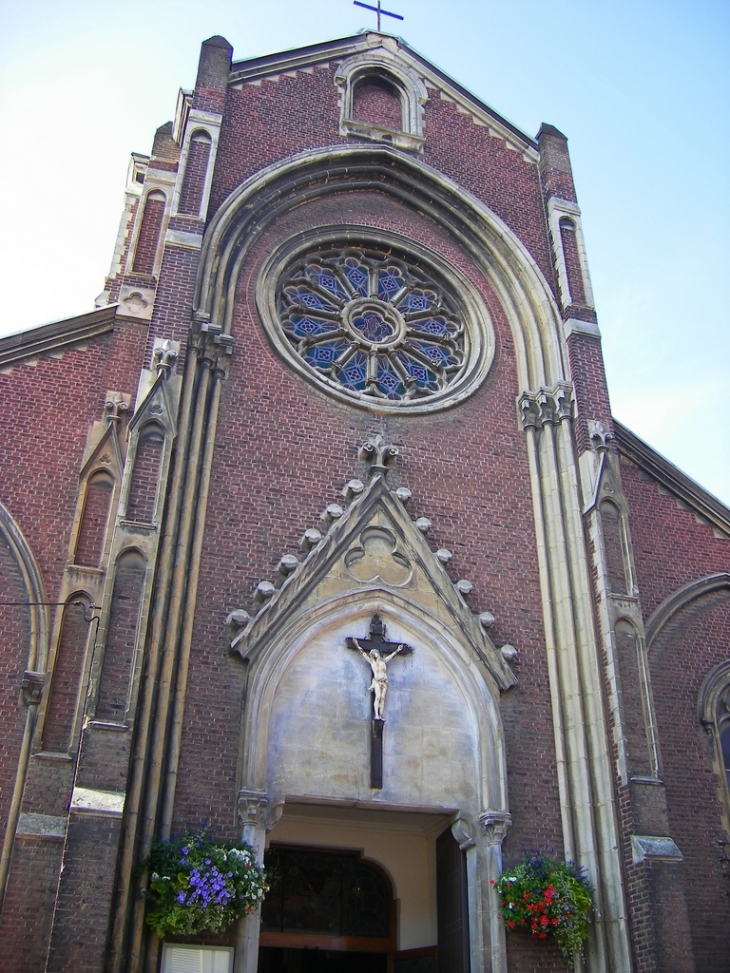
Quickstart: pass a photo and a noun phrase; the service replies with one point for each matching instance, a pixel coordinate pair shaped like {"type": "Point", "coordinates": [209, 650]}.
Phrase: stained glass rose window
{"type": "Point", "coordinates": [377, 325]}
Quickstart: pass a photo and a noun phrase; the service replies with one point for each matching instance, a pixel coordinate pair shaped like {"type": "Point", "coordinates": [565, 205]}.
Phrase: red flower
{"type": "Point", "coordinates": [491, 881]}
{"type": "Point", "coordinates": [511, 923]}
{"type": "Point", "coordinates": [543, 935]}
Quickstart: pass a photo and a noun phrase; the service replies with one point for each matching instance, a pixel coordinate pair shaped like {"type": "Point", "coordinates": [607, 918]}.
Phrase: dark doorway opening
{"type": "Point", "coordinates": [274, 960]}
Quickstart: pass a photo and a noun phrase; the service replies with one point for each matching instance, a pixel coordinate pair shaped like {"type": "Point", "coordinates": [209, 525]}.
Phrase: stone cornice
{"type": "Point", "coordinates": [672, 478]}
{"type": "Point", "coordinates": [53, 337]}
{"type": "Point", "coordinates": [307, 57]}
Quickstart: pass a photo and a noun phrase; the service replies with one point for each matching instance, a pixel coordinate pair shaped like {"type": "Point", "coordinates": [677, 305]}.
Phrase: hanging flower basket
{"type": "Point", "coordinates": [549, 899]}
{"type": "Point", "coordinates": [198, 884]}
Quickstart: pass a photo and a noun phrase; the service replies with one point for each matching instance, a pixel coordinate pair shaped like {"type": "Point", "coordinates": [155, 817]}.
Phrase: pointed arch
{"type": "Point", "coordinates": [505, 262]}
{"type": "Point", "coordinates": [32, 584]}
{"type": "Point", "coordinates": [682, 597]}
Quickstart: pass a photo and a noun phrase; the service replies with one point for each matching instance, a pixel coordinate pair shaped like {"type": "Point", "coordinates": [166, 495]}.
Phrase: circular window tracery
{"type": "Point", "coordinates": [372, 324]}
{"type": "Point", "coordinates": [386, 326]}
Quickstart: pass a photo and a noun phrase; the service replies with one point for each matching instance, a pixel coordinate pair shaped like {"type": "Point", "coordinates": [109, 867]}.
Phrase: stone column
{"type": "Point", "coordinates": [252, 815]}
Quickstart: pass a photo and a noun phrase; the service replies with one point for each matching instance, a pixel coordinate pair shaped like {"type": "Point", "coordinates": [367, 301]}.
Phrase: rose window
{"type": "Point", "coordinates": [373, 325]}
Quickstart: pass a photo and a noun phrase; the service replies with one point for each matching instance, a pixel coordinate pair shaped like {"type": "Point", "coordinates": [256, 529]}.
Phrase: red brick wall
{"type": "Point", "coordinates": [145, 476]}
{"type": "Point", "coordinates": [378, 104]}
{"type": "Point", "coordinates": [116, 670]}
{"type": "Point", "coordinates": [94, 520]}
{"type": "Point", "coordinates": [671, 549]}
{"type": "Point", "coordinates": [572, 262]}
{"type": "Point", "coordinates": [284, 450]}
{"type": "Point", "coordinates": [65, 684]}
{"type": "Point", "coordinates": [149, 234]}
{"type": "Point", "coordinates": [14, 646]}
{"type": "Point", "coordinates": [191, 195]}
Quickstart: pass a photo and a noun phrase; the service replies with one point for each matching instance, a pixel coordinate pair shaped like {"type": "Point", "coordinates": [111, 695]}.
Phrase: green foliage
{"type": "Point", "coordinates": [199, 884]}
{"type": "Point", "coordinates": [548, 898]}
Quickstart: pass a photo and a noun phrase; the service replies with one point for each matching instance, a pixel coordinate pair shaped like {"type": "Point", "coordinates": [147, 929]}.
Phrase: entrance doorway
{"type": "Point", "coordinates": [273, 960]}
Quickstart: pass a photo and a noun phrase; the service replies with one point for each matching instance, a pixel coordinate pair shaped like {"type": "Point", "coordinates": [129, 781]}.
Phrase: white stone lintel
{"type": "Point", "coordinates": [574, 326]}
{"type": "Point", "coordinates": [656, 848]}
{"type": "Point", "coordinates": [179, 238]}
{"type": "Point", "coordinates": [41, 825]}
{"type": "Point", "coordinates": [88, 800]}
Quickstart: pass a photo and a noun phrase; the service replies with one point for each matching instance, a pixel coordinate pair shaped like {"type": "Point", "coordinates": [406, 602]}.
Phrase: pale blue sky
{"type": "Point", "coordinates": [640, 88]}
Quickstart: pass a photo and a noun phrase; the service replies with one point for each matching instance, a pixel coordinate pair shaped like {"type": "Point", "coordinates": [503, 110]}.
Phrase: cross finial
{"type": "Point", "coordinates": [378, 11]}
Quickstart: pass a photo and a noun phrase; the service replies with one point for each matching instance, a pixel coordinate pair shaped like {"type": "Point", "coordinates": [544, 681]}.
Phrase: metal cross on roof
{"type": "Point", "coordinates": [378, 11]}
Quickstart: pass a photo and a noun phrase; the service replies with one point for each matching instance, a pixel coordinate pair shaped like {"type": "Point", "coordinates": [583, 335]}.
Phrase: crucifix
{"type": "Point", "coordinates": [377, 652]}
{"type": "Point", "coordinates": [378, 11]}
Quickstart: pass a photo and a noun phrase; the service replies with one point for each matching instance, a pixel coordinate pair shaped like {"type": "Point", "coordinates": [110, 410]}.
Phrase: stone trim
{"type": "Point", "coordinates": [52, 338]}
{"type": "Point", "coordinates": [681, 597]}
{"type": "Point", "coordinates": [645, 847]}
{"type": "Point", "coordinates": [41, 826]}
{"type": "Point", "coordinates": [92, 801]}
{"type": "Point", "coordinates": [559, 209]}
{"type": "Point", "coordinates": [479, 334]}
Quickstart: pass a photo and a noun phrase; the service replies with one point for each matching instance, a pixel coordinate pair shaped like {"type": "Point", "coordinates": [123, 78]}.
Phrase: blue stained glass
{"type": "Point", "coordinates": [358, 277]}
{"type": "Point", "coordinates": [324, 354]}
{"type": "Point", "coordinates": [388, 284]}
{"type": "Point", "coordinates": [388, 381]}
{"type": "Point", "coordinates": [330, 283]}
{"type": "Point", "coordinates": [372, 326]}
{"type": "Point", "coordinates": [424, 378]}
{"type": "Point", "coordinates": [321, 312]}
{"type": "Point", "coordinates": [435, 326]}
{"type": "Point", "coordinates": [301, 326]}
{"type": "Point", "coordinates": [354, 374]}
{"type": "Point", "coordinates": [437, 353]}
{"type": "Point", "coordinates": [416, 301]}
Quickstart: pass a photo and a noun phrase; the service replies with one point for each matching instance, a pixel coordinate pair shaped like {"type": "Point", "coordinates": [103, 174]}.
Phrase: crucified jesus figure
{"type": "Point", "coordinates": [379, 664]}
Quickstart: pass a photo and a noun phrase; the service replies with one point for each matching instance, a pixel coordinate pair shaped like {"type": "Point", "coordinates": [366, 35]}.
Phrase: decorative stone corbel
{"type": "Point", "coordinates": [117, 403]}
{"type": "Point", "coordinates": [165, 356]}
{"type": "Point", "coordinates": [32, 687]}
{"type": "Point", "coordinates": [378, 454]}
{"type": "Point", "coordinates": [599, 435]}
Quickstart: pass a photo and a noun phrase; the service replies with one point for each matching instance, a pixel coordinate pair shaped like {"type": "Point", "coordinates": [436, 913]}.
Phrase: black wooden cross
{"type": "Point", "coordinates": [377, 652]}
{"type": "Point", "coordinates": [378, 11]}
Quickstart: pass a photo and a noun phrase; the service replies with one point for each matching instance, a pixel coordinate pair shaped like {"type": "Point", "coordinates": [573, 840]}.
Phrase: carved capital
{"type": "Point", "coordinates": [251, 808]}
{"type": "Point", "coordinates": [495, 824]}
{"type": "Point", "coordinates": [212, 347]}
{"type": "Point", "coordinates": [378, 454]}
{"type": "Point", "coordinates": [546, 406]}
{"type": "Point", "coordinates": [32, 687]}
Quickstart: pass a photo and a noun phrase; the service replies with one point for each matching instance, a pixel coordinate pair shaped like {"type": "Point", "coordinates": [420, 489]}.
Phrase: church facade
{"type": "Point", "coordinates": [319, 530]}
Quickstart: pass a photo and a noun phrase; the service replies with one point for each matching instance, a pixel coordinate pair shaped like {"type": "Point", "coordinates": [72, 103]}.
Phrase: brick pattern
{"type": "Point", "coordinates": [613, 547]}
{"type": "Point", "coordinates": [25, 921]}
{"type": "Point", "coordinates": [116, 668]}
{"type": "Point", "coordinates": [589, 386]}
{"type": "Point", "coordinates": [191, 195]}
{"type": "Point", "coordinates": [477, 495]}
{"type": "Point", "coordinates": [83, 904]}
{"type": "Point", "coordinates": [145, 476]}
{"type": "Point", "coordinates": [65, 681]}
{"type": "Point", "coordinates": [145, 253]}
{"type": "Point", "coordinates": [378, 104]}
{"type": "Point", "coordinates": [94, 520]}
{"type": "Point", "coordinates": [573, 268]}
{"type": "Point", "coordinates": [687, 649]}
{"type": "Point", "coordinates": [15, 632]}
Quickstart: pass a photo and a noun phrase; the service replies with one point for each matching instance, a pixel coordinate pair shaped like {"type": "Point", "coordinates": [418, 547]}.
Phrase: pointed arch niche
{"type": "Point", "coordinates": [307, 730]}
